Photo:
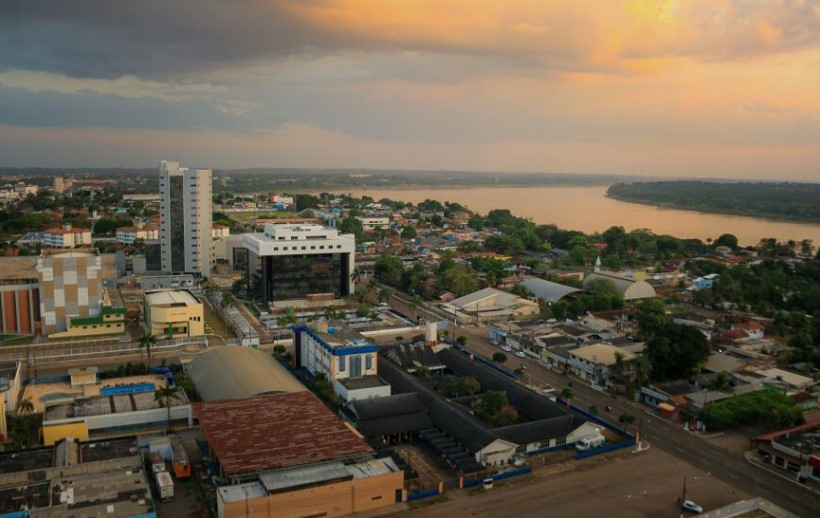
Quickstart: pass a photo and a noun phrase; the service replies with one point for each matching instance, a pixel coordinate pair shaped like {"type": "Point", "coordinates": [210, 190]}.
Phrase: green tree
{"type": "Point", "coordinates": [165, 395]}
{"type": "Point", "coordinates": [388, 269]}
{"type": "Point", "coordinates": [462, 340]}
{"type": "Point", "coordinates": [414, 304]}
{"type": "Point", "coordinates": [408, 232]}
{"type": "Point", "coordinates": [383, 295]}
{"type": "Point", "coordinates": [676, 351]}
{"type": "Point", "coordinates": [352, 225]}
{"type": "Point", "coordinates": [146, 343]}
{"type": "Point", "coordinates": [499, 357]}
{"type": "Point", "coordinates": [651, 315]}
{"type": "Point", "coordinates": [729, 240]}
{"type": "Point", "coordinates": [567, 394]}
{"type": "Point", "coordinates": [458, 281]}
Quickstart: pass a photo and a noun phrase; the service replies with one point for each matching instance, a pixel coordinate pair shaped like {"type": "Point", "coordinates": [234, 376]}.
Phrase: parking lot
{"type": "Point", "coordinates": [629, 485]}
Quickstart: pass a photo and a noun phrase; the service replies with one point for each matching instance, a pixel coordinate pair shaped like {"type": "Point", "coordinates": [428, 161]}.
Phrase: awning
{"type": "Point", "coordinates": [666, 407]}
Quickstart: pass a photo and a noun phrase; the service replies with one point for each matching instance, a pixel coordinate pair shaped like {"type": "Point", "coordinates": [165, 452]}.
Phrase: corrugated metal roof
{"type": "Point", "coordinates": [549, 291]}
{"type": "Point", "coordinates": [276, 431]}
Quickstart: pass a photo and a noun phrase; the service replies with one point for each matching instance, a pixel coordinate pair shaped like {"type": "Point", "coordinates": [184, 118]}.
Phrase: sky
{"type": "Point", "coordinates": [703, 88]}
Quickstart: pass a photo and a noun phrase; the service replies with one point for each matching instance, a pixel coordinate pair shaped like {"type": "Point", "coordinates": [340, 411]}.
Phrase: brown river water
{"type": "Point", "coordinates": [588, 209]}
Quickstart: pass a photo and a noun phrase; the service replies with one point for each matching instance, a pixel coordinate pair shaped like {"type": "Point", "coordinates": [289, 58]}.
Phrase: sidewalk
{"type": "Point", "coordinates": [755, 459]}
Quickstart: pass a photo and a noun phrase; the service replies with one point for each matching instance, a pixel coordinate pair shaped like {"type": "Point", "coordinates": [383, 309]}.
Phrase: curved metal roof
{"type": "Point", "coordinates": [234, 372]}
{"type": "Point", "coordinates": [547, 290]}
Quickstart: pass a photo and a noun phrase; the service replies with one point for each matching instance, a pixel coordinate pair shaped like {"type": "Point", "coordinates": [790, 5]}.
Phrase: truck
{"type": "Point", "coordinates": [182, 468]}
{"type": "Point", "coordinates": [165, 485]}
{"type": "Point", "coordinates": [156, 461]}
{"type": "Point", "coordinates": [590, 442]}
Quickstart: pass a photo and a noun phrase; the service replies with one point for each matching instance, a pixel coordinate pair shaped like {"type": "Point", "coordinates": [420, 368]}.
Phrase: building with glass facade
{"type": "Point", "coordinates": [186, 245]}
{"type": "Point", "coordinates": [295, 261]}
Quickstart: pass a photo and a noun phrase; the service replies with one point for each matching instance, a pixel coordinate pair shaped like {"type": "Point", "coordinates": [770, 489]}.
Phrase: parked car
{"type": "Point", "coordinates": [520, 354]}
{"type": "Point", "coordinates": [691, 506]}
{"type": "Point", "coordinates": [506, 348]}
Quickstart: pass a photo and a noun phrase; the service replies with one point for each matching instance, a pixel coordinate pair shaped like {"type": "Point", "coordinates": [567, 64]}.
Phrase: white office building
{"type": "Point", "coordinates": [301, 260]}
{"type": "Point", "coordinates": [185, 219]}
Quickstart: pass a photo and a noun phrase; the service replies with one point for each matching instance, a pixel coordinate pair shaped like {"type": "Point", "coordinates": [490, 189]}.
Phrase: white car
{"type": "Point", "coordinates": [506, 348]}
{"type": "Point", "coordinates": [691, 506]}
{"type": "Point", "coordinates": [520, 354]}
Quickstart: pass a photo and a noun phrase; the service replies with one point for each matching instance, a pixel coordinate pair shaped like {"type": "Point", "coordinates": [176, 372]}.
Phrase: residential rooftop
{"type": "Point", "coordinates": [602, 354]}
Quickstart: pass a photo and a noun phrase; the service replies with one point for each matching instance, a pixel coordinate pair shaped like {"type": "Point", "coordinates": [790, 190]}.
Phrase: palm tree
{"type": "Point", "coordinates": [330, 312]}
{"type": "Point", "coordinates": [26, 407]}
{"type": "Point", "coordinates": [165, 395]}
{"type": "Point", "coordinates": [356, 275]}
{"type": "Point", "coordinates": [361, 294]}
{"type": "Point", "coordinates": [146, 343]}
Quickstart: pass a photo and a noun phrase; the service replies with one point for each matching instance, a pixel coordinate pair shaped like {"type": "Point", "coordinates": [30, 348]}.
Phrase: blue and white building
{"type": "Point", "coordinates": [344, 356]}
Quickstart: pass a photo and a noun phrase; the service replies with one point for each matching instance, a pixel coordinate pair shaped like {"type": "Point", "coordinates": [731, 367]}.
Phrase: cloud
{"type": "Point", "coordinates": [23, 107]}
{"type": "Point", "coordinates": [124, 86]}
{"type": "Point", "coordinates": [166, 38]}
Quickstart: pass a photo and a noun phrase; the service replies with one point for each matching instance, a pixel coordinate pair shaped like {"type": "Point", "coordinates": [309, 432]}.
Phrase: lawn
{"type": "Point", "coordinates": [16, 339]}
{"type": "Point", "coordinates": [214, 323]}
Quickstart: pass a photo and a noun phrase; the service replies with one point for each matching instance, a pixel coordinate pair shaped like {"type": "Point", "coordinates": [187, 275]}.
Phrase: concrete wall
{"type": "Point", "coordinates": [363, 393]}
{"type": "Point", "coordinates": [337, 499]}
{"type": "Point", "coordinates": [158, 416]}
{"type": "Point", "coordinates": [54, 433]}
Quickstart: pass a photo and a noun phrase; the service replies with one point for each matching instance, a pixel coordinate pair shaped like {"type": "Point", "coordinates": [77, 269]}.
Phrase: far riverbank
{"type": "Point", "coordinates": [588, 209]}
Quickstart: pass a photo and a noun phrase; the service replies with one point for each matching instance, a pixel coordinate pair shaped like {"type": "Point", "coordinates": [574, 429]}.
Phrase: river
{"type": "Point", "coordinates": [588, 209]}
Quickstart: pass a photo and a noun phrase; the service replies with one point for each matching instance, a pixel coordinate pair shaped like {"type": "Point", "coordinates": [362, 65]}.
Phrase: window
{"type": "Point", "coordinates": [368, 362]}
{"type": "Point", "coordinates": [342, 363]}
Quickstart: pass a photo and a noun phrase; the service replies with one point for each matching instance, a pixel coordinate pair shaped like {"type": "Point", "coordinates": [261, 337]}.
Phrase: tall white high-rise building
{"type": "Point", "coordinates": [185, 219]}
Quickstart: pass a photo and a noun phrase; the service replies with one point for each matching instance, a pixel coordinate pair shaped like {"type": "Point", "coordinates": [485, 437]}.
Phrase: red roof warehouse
{"type": "Point", "coordinates": [276, 431]}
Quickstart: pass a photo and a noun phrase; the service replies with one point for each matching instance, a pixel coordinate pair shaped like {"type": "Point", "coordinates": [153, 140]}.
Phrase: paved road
{"type": "Point", "coordinates": [670, 437]}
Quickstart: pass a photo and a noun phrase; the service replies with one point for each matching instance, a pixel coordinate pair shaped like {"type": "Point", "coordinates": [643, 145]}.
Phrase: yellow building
{"type": "Point", "coordinates": [110, 321]}
{"type": "Point", "coordinates": [174, 313]}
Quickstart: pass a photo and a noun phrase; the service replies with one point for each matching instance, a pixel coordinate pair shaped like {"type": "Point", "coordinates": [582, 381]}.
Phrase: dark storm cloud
{"type": "Point", "coordinates": [20, 107]}
{"type": "Point", "coordinates": [101, 38]}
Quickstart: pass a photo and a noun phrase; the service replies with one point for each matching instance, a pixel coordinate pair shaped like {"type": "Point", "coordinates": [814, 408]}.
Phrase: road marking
{"type": "Point", "coordinates": [679, 449]}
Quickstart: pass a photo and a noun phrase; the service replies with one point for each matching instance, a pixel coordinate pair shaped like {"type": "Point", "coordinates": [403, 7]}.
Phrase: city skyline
{"type": "Point", "coordinates": [712, 89]}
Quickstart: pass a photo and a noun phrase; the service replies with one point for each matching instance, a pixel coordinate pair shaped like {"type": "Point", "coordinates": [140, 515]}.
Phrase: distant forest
{"type": "Point", "coordinates": [291, 180]}
{"type": "Point", "coordinates": [793, 201]}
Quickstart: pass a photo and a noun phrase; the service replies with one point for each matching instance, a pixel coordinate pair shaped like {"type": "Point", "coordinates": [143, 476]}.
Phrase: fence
{"type": "Point", "coordinates": [605, 449]}
{"type": "Point", "coordinates": [516, 472]}
{"type": "Point", "coordinates": [46, 351]}
{"type": "Point", "coordinates": [422, 494]}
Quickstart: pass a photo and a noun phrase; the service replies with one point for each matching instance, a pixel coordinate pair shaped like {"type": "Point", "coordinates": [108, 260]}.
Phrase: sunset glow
{"type": "Point", "coordinates": [708, 88]}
